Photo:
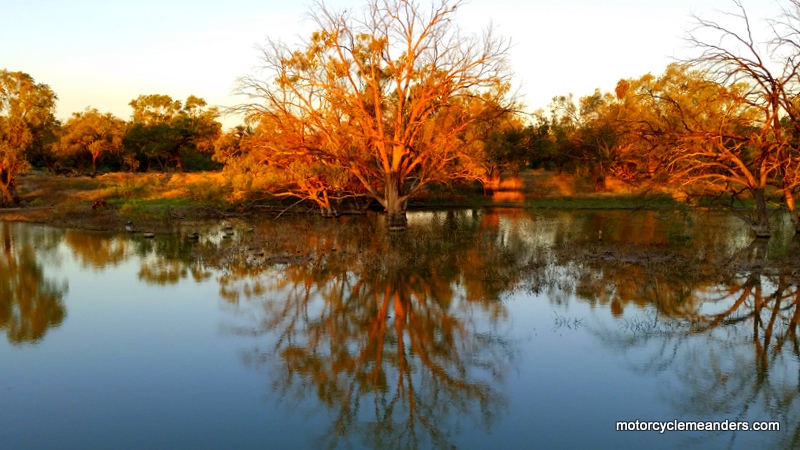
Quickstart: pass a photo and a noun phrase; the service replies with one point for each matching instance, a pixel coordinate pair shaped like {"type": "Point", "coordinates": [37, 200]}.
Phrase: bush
{"type": "Point", "coordinates": [138, 187]}
{"type": "Point", "coordinates": [206, 191]}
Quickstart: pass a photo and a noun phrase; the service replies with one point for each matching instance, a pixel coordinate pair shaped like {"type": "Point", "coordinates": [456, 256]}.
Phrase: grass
{"type": "Point", "coordinates": [159, 196]}
{"type": "Point", "coordinates": [82, 184]}
{"type": "Point", "coordinates": [207, 191]}
{"type": "Point", "coordinates": [150, 209]}
{"type": "Point", "coordinates": [150, 196]}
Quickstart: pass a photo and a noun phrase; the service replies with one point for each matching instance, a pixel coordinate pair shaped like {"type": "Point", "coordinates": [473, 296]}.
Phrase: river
{"type": "Point", "coordinates": [474, 329]}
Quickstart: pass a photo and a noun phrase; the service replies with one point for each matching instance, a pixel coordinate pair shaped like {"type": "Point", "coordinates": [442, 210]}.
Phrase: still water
{"type": "Point", "coordinates": [474, 329]}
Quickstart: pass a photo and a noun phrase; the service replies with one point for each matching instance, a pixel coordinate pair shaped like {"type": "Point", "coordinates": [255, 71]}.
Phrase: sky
{"type": "Point", "coordinates": [105, 53]}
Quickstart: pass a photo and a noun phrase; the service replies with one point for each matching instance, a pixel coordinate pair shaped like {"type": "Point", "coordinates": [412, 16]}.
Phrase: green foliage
{"type": "Point", "coordinates": [243, 167]}
{"type": "Point", "coordinates": [135, 188]}
{"type": "Point", "coordinates": [143, 209]}
{"type": "Point", "coordinates": [93, 133]}
{"type": "Point", "coordinates": [515, 146]}
{"type": "Point", "coordinates": [166, 132]}
{"type": "Point", "coordinates": [154, 109]}
{"type": "Point", "coordinates": [26, 120]}
{"type": "Point", "coordinates": [207, 191]}
{"type": "Point", "coordinates": [158, 209]}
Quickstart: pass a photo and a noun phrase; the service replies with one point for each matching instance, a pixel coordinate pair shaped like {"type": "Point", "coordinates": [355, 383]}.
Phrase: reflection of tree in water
{"type": "Point", "coordinates": [734, 349]}
{"type": "Point", "coordinates": [165, 260]}
{"type": "Point", "coordinates": [668, 281]}
{"type": "Point", "coordinates": [396, 334]}
{"type": "Point", "coordinates": [645, 259]}
{"type": "Point", "coordinates": [96, 250]}
{"type": "Point", "coordinates": [30, 304]}
{"type": "Point", "coordinates": [171, 258]}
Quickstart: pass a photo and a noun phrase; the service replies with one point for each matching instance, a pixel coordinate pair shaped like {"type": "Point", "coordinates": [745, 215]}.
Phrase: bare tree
{"type": "Point", "coordinates": [755, 148]}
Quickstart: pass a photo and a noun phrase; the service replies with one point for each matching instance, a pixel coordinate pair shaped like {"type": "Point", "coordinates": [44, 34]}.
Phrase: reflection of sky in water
{"type": "Point", "coordinates": [138, 365]}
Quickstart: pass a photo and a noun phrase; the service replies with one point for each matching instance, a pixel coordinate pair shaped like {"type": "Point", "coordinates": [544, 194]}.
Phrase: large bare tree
{"type": "Point", "coordinates": [386, 93]}
{"type": "Point", "coordinates": [755, 150]}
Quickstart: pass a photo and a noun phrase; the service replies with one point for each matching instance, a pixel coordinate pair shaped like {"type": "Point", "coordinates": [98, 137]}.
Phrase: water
{"type": "Point", "coordinates": [474, 329]}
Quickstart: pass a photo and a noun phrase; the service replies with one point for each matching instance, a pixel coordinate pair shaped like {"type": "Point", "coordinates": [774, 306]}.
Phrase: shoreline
{"type": "Point", "coordinates": [161, 203]}
{"type": "Point", "coordinates": [111, 218]}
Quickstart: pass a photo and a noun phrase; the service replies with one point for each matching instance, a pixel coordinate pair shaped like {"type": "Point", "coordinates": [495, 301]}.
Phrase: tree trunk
{"type": "Point", "coordinates": [760, 222]}
{"type": "Point", "coordinates": [8, 191]}
{"type": "Point", "coordinates": [326, 207]}
{"type": "Point", "coordinates": [791, 205]}
{"type": "Point", "coordinates": [393, 203]}
{"type": "Point", "coordinates": [599, 175]}
{"type": "Point", "coordinates": [755, 253]}
{"type": "Point", "coordinates": [600, 183]}
{"type": "Point", "coordinates": [178, 166]}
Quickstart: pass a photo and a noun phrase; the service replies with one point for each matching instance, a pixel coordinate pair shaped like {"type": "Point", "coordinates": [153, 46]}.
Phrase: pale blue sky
{"type": "Point", "coordinates": [105, 53]}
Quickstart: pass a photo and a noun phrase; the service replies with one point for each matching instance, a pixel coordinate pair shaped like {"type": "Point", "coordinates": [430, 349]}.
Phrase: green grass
{"type": "Point", "coordinates": [155, 202]}
{"type": "Point", "coordinates": [128, 189]}
{"type": "Point", "coordinates": [83, 184]}
{"type": "Point", "coordinates": [151, 209]}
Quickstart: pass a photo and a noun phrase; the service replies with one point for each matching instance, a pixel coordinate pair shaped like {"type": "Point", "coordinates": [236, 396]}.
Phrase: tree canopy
{"type": "Point", "coordinates": [167, 131]}
{"type": "Point", "coordinates": [26, 110]}
{"type": "Point", "coordinates": [93, 132]}
{"type": "Point", "coordinates": [747, 146]}
{"type": "Point", "coordinates": [385, 94]}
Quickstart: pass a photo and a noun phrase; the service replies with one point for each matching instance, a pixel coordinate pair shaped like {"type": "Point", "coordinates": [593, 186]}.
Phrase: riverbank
{"type": "Point", "coordinates": [159, 201]}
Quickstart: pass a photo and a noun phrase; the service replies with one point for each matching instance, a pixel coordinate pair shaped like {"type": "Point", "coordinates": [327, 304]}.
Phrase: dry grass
{"type": "Point", "coordinates": [107, 201]}
{"type": "Point", "coordinates": [540, 183]}
{"type": "Point", "coordinates": [157, 197]}
{"type": "Point", "coordinates": [45, 190]}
